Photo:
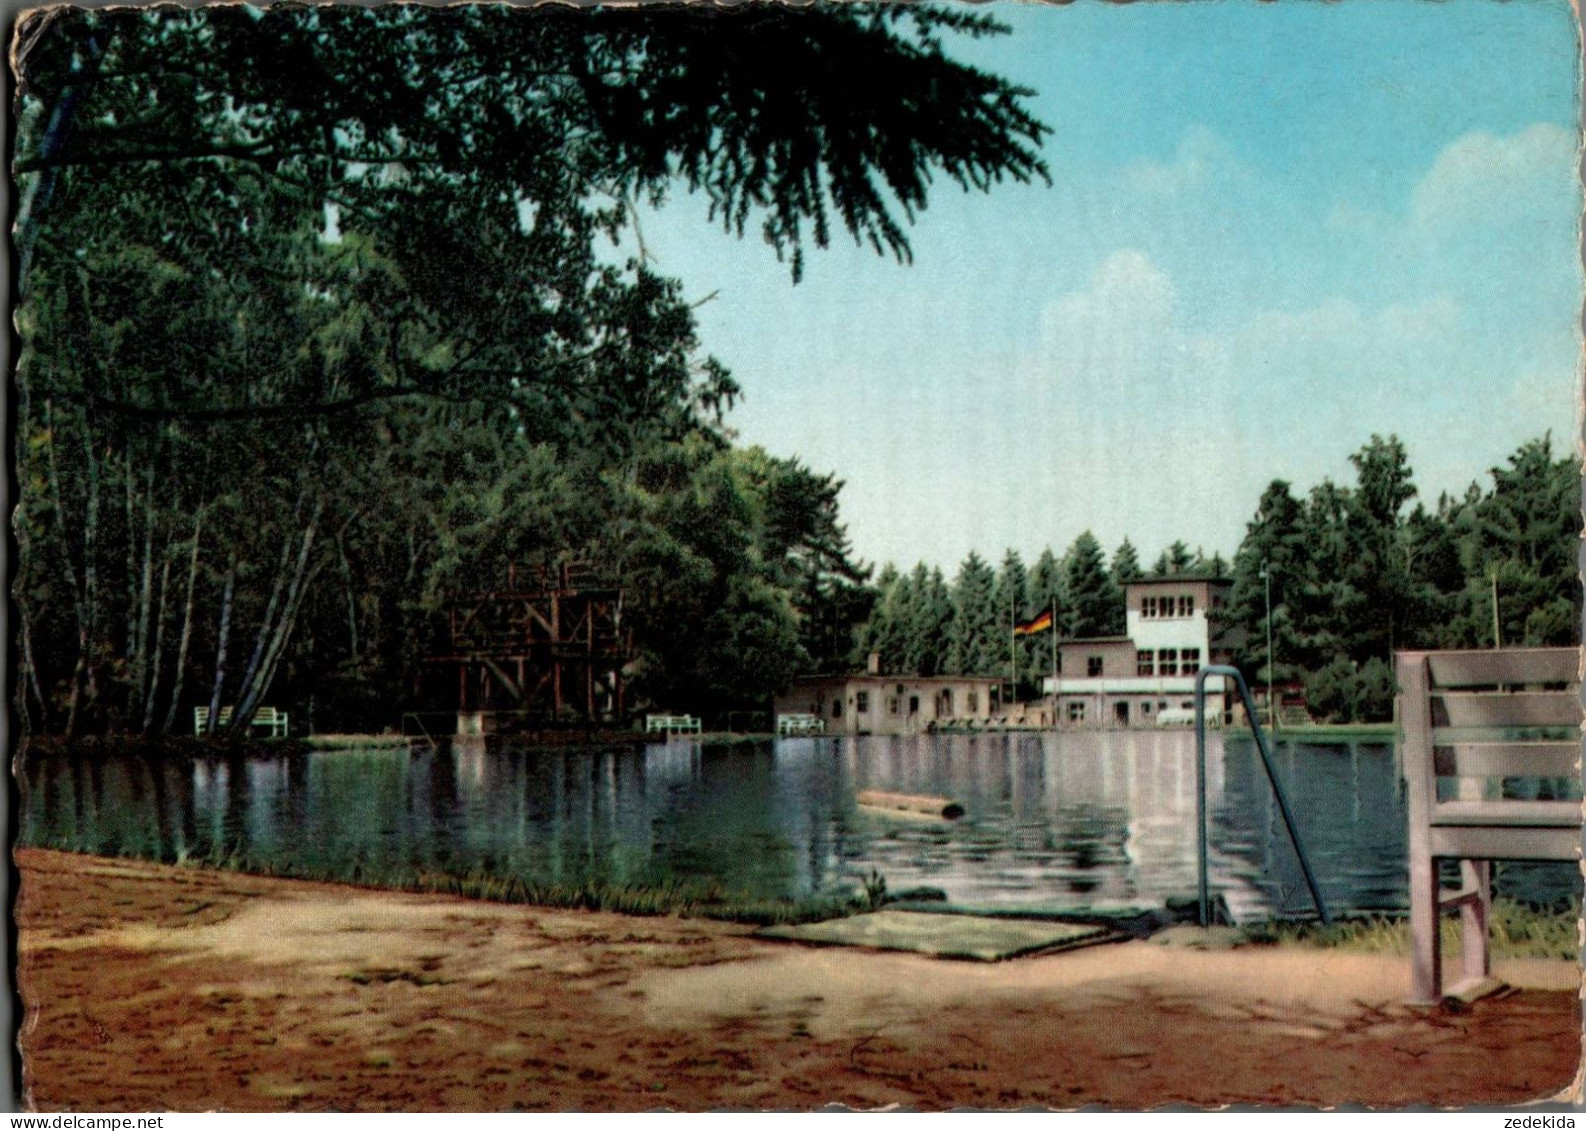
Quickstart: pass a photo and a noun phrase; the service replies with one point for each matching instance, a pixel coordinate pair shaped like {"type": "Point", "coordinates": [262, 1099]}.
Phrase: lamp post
{"type": "Point", "coordinates": [1497, 635]}
{"type": "Point", "coordinates": [1266, 577]}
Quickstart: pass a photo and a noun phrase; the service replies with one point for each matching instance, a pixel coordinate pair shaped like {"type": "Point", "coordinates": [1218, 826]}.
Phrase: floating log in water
{"type": "Point", "coordinates": [911, 803]}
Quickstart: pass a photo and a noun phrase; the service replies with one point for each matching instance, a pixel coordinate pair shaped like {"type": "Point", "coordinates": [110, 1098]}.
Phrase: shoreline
{"type": "Point", "coordinates": [252, 745]}
{"type": "Point", "coordinates": [166, 988]}
{"type": "Point", "coordinates": [1520, 930]}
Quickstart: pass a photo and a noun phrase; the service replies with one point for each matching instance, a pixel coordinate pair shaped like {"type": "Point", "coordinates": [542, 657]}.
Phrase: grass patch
{"type": "Point", "coordinates": [1322, 732]}
{"type": "Point", "coordinates": [701, 899]}
{"type": "Point", "coordinates": [1516, 930]}
{"type": "Point", "coordinates": [357, 741]}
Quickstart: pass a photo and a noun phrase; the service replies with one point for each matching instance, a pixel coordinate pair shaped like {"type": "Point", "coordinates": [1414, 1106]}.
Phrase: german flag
{"type": "Point", "coordinates": [1030, 627]}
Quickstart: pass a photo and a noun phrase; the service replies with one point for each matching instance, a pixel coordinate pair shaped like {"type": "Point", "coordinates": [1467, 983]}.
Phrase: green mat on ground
{"type": "Point", "coordinates": [945, 936]}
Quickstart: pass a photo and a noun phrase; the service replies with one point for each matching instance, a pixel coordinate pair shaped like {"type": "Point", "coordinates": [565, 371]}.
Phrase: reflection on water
{"type": "Point", "coordinates": [1056, 821]}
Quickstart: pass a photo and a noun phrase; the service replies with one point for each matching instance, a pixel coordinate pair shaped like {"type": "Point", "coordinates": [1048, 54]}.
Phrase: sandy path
{"type": "Point", "coordinates": [162, 988]}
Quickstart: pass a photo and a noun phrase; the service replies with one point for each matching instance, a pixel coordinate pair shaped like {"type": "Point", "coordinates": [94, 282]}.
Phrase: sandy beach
{"type": "Point", "coordinates": [158, 988]}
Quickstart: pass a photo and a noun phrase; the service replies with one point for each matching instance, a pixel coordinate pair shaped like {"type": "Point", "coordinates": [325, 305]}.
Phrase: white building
{"type": "Point", "coordinates": [1131, 680]}
{"type": "Point", "coordinates": [892, 704]}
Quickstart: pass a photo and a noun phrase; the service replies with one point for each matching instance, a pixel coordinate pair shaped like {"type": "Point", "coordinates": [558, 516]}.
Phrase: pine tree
{"type": "Point", "coordinates": [1095, 603]}
{"type": "Point", "coordinates": [1272, 558]}
{"type": "Point", "coordinates": [1014, 596]}
{"type": "Point", "coordinates": [1524, 532]}
{"type": "Point", "coordinates": [931, 624]}
{"type": "Point", "coordinates": [1126, 563]}
{"type": "Point", "coordinates": [972, 638]}
{"type": "Point", "coordinates": [884, 632]}
{"type": "Point", "coordinates": [1176, 559]}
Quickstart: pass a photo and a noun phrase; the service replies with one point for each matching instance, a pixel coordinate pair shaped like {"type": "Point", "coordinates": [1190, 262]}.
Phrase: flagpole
{"type": "Point", "coordinates": [1013, 643]}
{"type": "Point", "coordinates": [1054, 660]}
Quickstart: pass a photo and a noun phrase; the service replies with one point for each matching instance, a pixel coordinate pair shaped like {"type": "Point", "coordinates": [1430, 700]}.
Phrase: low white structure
{"type": "Point", "coordinates": [267, 719]}
{"type": "Point", "coordinates": [671, 724]}
{"type": "Point", "coordinates": [800, 724]}
{"type": "Point", "coordinates": [892, 704]}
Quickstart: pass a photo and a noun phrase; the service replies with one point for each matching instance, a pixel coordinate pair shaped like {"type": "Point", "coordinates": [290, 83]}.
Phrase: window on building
{"type": "Point", "coordinates": [862, 703]}
{"type": "Point", "coordinates": [1189, 661]}
{"type": "Point", "coordinates": [892, 704]}
{"type": "Point", "coordinates": [914, 704]}
{"type": "Point", "coordinates": [1093, 666]}
{"type": "Point", "coordinates": [1167, 661]}
{"type": "Point", "coordinates": [1076, 712]}
{"type": "Point", "coordinates": [837, 708]}
{"type": "Point", "coordinates": [1186, 605]}
{"type": "Point", "coordinates": [971, 701]}
{"type": "Point", "coordinates": [1144, 662]}
{"type": "Point", "coordinates": [947, 701]}
{"type": "Point", "coordinates": [1148, 608]}
{"type": "Point", "coordinates": [1145, 708]}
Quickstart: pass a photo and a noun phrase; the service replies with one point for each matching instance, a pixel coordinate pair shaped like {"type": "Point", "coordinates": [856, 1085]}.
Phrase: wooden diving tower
{"type": "Point", "coordinates": [548, 649]}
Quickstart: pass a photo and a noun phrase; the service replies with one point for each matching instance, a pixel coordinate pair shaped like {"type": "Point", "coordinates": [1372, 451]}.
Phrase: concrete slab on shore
{"type": "Point", "coordinates": [980, 938]}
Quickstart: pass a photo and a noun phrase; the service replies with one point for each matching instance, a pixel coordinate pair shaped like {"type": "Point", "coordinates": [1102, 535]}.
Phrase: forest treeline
{"type": "Point", "coordinates": [923, 623]}
{"type": "Point", "coordinates": [323, 328]}
{"type": "Point", "coordinates": [1355, 571]}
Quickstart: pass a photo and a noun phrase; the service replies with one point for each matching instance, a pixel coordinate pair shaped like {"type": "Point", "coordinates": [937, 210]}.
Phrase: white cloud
{"type": "Point", "coordinates": [1128, 412]}
{"type": "Point", "coordinates": [1124, 336]}
{"type": "Point", "coordinates": [1201, 158]}
{"type": "Point", "coordinates": [1118, 409]}
{"type": "Point", "coordinates": [1337, 339]}
{"type": "Point", "coordinates": [1484, 176]}
{"type": "Point", "coordinates": [1116, 326]}
{"type": "Point", "coordinates": [1161, 428]}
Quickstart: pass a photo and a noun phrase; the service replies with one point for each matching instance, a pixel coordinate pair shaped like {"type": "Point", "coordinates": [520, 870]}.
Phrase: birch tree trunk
{"type": "Point", "coordinates": [140, 659]}
{"type": "Point", "coordinates": [259, 677]}
{"type": "Point", "coordinates": [132, 564]}
{"type": "Point", "coordinates": [159, 643]}
{"type": "Point", "coordinates": [73, 578]}
{"type": "Point", "coordinates": [352, 600]}
{"type": "Point", "coordinates": [31, 673]}
{"type": "Point", "coordinates": [220, 644]}
{"type": "Point", "coordinates": [85, 678]}
{"type": "Point", "coordinates": [187, 626]}
{"type": "Point", "coordinates": [261, 641]}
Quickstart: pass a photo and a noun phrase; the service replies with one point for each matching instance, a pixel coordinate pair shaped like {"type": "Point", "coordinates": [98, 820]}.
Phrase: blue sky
{"type": "Point", "coordinates": [1272, 231]}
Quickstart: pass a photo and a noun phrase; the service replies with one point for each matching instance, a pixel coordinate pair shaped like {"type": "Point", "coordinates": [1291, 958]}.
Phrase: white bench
{"type": "Point", "coordinates": [1474, 717]}
{"type": "Point", "coordinates": [671, 724]}
{"type": "Point", "coordinates": [267, 718]}
{"type": "Point", "coordinates": [800, 724]}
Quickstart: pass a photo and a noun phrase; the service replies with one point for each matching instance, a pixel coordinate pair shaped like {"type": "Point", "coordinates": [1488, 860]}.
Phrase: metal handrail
{"type": "Point", "coordinates": [1272, 777]}
{"type": "Point", "coordinates": [424, 730]}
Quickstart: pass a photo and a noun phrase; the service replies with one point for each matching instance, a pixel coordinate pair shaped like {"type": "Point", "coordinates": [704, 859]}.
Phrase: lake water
{"type": "Point", "coordinates": [1054, 821]}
